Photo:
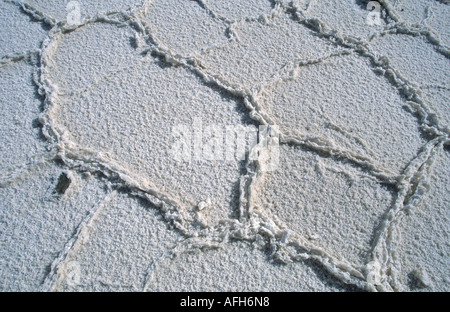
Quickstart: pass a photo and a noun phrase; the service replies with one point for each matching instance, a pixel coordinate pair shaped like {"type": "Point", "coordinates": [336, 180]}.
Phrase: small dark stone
{"type": "Point", "coordinates": [63, 183]}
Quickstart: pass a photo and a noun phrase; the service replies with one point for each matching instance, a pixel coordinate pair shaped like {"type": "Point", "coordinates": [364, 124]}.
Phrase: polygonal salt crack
{"type": "Point", "coordinates": [438, 20]}
{"type": "Point", "coordinates": [425, 13]}
{"type": "Point", "coordinates": [343, 101]}
{"type": "Point", "coordinates": [249, 60]}
{"type": "Point", "coordinates": [238, 266]}
{"type": "Point", "coordinates": [130, 123]}
{"type": "Point", "coordinates": [437, 97]}
{"type": "Point", "coordinates": [419, 244]}
{"type": "Point", "coordinates": [82, 57]}
{"type": "Point", "coordinates": [30, 208]}
{"type": "Point", "coordinates": [22, 145]}
{"type": "Point", "coordinates": [125, 226]}
{"type": "Point", "coordinates": [21, 33]}
{"type": "Point", "coordinates": [63, 10]}
{"type": "Point", "coordinates": [183, 27]}
{"type": "Point", "coordinates": [414, 12]}
{"type": "Point", "coordinates": [345, 17]}
{"type": "Point", "coordinates": [352, 172]}
{"type": "Point", "coordinates": [316, 197]}
{"type": "Point", "coordinates": [420, 65]}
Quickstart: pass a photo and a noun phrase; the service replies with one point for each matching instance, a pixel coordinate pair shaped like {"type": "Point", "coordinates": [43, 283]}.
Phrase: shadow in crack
{"type": "Point", "coordinates": [319, 270]}
{"type": "Point", "coordinates": [329, 280]}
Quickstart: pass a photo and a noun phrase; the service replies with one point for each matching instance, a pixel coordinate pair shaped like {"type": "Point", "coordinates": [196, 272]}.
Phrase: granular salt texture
{"type": "Point", "coordinates": [343, 101]}
{"type": "Point", "coordinates": [60, 10]}
{"type": "Point", "coordinates": [125, 243]}
{"type": "Point", "coordinates": [20, 33]}
{"type": "Point", "coordinates": [334, 205]}
{"type": "Point", "coordinates": [439, 20]}
{"type": "Point", "coordinates": [89, 54]}
{"type": "Point", "coordinates": [420, 64]}
{"type": "Point", "coordinates": [239, 266]}
{"type": "Point", "coordinates": [115, 93]}
{"type": "Point", "coordinates": [39, 220]}
{"type": "Point", "coordinates": [183, 26]}
{"type": "Point", "coordinates": [22, 141]}
{"type": "Point", "coordinates": [421, 242]}
{"type": "Point", "coordinates": [262, 50]}
{"type": "Point", "coordinates": [344, 16]}
{"type": "Point", "coordinates": [235, 10]}
{"type": "Point", "coordinates": [437, 98]}
{"type": "Point", "coordinates": [430, 14]}
{"type": "Point", "coordinates": [147, 102]}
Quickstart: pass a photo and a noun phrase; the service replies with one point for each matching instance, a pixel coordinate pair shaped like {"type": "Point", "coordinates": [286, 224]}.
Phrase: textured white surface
{"type": "Point", "coordinates": [92, 197]}
{"type": "Point", "coordinates": [128, 236]}
{"type": "Point", "coordinates": [22, 142]}
{"type": "Point", "coordinates": [58, 10]}
{"type": "Point", "coordinates": [421, 65]}
{"type": "Point", "coordinates": [347, 17]}
{"type": "Point", "coordinates": [421, 243]}
{"type": "Point", "coordinates": [262, 49]}
{"type": "Point", "coordinates": [183, 26]}
{"type": "Point", "coordinates": [328, 202]}
{"type": "Point", "coordinates": [20, 32]}
{"type": "Point", "coordinates": [344, 101]}
{"type": "Point", "coordinates": [238, 267]}
{"type": "Point", "coordinates": [235, 10]}
{"type": "Point", "coordinates": [130, 116]}
{"type": "Point", "coordinates": [37, 224]}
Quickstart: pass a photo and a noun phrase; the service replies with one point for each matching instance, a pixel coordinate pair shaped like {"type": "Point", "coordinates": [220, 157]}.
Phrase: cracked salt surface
{"type": "Point", "coordinates": [24, 34]}
{"type": "Point", "coordinates": [340, 205]}
{"type": "Point", "coordinates": [183, 27]}
{"type": "Point", "coordinates": [58, 10]}
{"type": "Point", "coordinates": [94, 199]}
{"type": "Point", "coordinates": [22, 144]}
{"type": "Point", "coordinates": [343, 101]}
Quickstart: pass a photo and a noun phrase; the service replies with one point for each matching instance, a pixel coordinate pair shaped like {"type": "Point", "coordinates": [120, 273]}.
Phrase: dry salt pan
{"type": "Point", "coordinates": [224, 146]}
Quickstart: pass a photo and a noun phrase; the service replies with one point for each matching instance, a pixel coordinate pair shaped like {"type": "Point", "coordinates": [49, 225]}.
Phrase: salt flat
{"type": "Point", "coordinates": [260, 145]}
